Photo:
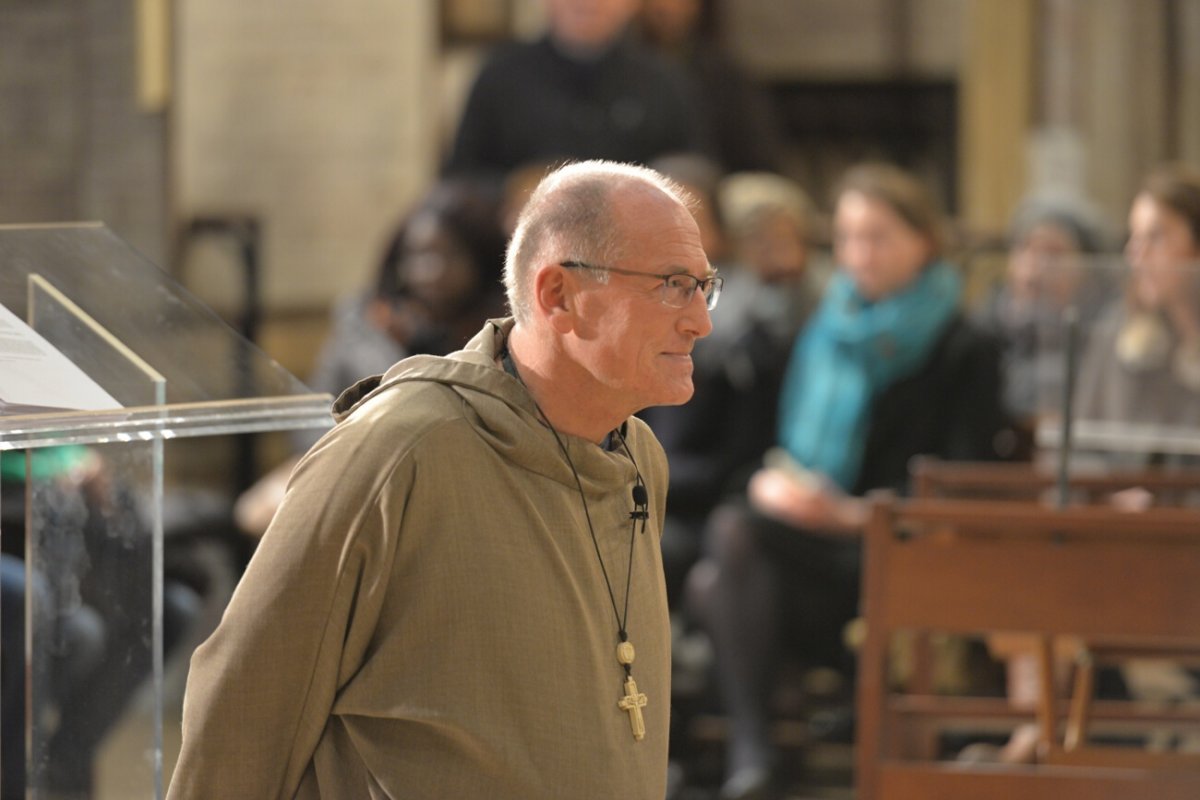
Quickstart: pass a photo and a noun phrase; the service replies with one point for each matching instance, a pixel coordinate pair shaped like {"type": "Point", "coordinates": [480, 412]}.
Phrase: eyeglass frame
{"type": "Point", "coordinates": [698, 284]}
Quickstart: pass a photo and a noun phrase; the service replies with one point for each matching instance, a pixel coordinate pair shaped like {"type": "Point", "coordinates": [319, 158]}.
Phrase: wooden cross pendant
{"type": "Point", "coordinates": [633, 702]}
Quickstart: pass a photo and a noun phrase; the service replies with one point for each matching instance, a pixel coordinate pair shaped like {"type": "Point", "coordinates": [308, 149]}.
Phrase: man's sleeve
{"type": "Point", "coordinates": [261, 688]}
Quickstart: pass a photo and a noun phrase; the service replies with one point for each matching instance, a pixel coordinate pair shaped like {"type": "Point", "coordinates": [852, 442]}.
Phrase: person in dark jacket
{"type": "Point", "coordinates": [584, 90]}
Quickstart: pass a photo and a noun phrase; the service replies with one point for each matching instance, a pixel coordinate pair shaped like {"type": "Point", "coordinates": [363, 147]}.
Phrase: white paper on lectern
{"type": "Point", "coordinates": [35, 376]}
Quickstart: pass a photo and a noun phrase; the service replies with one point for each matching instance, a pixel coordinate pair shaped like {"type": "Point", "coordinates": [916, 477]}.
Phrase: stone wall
{"type": "Point", "coordinates": [848, 39]}
{"type": "Point", "coordinates": [316, 118]}
{"type": "Point", "coordinates": [73, 143]}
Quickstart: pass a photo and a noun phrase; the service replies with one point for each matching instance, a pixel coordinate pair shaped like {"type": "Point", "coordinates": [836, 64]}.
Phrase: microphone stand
{"type": "Point", "coordinates": [1070, 356]}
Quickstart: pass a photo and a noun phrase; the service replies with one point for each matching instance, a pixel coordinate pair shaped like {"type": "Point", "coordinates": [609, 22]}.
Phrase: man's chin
{"type": "Point", "coordinates": [677, 396]}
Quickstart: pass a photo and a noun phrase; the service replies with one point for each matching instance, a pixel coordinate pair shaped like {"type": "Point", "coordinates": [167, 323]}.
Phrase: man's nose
{"type": "Point", "coordinates": [696, 319]}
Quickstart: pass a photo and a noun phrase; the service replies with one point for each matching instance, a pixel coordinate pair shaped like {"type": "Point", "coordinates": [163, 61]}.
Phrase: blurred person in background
{"type": "Point", "coordinates": [1140, 369]}
{"type": "Point", "coordinates": [778, 279]}
{"type": "Point", "coordinates": [714, 441]}
{"type": "Point", "coordinates": [437, 281]}
{"type": "Point", "coordinates": [585, 89]}
{"type": "Point", "coordinates": [1142, 363]}
{"type": "Point", "coordinates": [754, 226]}
{"type": "Point", "coordinates": [887, 368]}
{"type": "Point", "coordinates": [1053, 242]}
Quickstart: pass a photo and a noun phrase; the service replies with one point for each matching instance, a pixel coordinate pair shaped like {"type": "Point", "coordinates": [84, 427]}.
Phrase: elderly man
{"type": "Point", "coordinates": [462, 595]}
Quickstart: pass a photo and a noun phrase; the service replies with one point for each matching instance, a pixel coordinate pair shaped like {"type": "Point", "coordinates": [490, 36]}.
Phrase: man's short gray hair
{"type": "Point", "coordinates": [571, 217]}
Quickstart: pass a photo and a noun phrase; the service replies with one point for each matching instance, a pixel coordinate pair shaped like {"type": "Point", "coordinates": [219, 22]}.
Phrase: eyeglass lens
{"type": "Point", "coordinates": [679, 291]}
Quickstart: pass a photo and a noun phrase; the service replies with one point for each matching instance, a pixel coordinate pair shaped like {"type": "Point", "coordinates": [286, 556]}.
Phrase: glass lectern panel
{"type": "Point", "coordinates": [94, 648]}
{"type": "Point", "coordinates": [102, 357]}
{"type": "Point", "coordinates": [215, 380]}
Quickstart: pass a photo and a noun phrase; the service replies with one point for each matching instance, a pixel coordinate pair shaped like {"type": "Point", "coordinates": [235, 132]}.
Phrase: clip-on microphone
{"type": "Point", "coordinates": [640, 502]}
{"type": "Point", "coordinates": [641, 498]}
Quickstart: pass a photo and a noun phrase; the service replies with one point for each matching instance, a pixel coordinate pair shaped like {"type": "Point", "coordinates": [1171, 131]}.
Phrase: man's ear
{"type": "Point", "coordinates": [552, 296]}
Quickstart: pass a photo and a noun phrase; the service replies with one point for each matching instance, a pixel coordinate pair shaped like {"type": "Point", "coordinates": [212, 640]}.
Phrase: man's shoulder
{"type": "Point", "coordinates": [399, 405]}
{"type": "Point", "coordinates": [397, 418]}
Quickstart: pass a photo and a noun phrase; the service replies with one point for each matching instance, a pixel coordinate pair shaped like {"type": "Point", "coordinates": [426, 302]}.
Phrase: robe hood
{"type": "Point", "coordinates": [503, 413]}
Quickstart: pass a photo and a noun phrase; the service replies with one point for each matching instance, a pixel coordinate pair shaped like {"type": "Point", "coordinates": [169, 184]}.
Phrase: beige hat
{"type": "Point", "coordinates": [743, 196]}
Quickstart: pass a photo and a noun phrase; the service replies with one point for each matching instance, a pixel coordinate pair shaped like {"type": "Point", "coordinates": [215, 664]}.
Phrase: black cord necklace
{"type": "Point", "coordinates": [633, 701]}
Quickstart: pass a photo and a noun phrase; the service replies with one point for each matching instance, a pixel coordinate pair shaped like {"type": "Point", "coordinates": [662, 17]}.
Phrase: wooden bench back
{"type": "Point", "coordinates": [988, 566]}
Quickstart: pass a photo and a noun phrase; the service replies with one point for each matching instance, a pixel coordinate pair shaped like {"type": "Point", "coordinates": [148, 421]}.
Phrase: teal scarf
{"type": "Point", "coordinates": [850, 352]}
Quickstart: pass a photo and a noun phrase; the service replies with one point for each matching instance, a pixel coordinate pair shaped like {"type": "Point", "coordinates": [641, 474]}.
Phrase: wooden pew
{"type": "Point", "coordinates": [974, 567]}
{"type": "Point", "coordinates": [934, 477]}
{"type": "Point", "coordinates": [931, 476]}
{"type": "Point", "coordinates": [1175, 485]}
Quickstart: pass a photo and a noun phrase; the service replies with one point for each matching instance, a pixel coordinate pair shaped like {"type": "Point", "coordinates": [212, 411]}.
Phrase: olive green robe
{"type": "Point", "coordinates": [427, 617]}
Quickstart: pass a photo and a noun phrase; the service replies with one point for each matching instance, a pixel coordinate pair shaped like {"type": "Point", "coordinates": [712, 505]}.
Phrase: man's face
{"type": "Point", "coordinates": [637, 348]}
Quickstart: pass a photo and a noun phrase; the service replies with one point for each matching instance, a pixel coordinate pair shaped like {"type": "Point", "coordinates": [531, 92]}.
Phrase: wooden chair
{"type": "Point", "coordinates": [1120, 581]}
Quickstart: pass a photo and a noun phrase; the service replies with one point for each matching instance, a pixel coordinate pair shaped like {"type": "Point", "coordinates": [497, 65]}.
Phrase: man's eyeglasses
{"type": "Point", "coordinates": [677, 289]}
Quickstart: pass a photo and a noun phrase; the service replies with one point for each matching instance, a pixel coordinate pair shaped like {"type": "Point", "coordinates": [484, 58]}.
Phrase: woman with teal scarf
{"type": "Point", "coordinates": [887, 369]}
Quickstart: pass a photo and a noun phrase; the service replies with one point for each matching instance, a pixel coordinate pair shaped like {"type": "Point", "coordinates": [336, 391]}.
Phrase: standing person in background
{"type": "Point", "coordinates": [584, 90]}
{"type": "Point", "coordinates": [888, 368]}
{"type": "Point", "coordinates": [448, 602]}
